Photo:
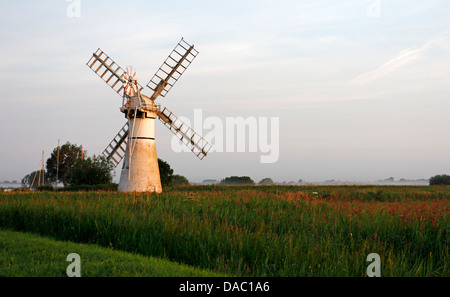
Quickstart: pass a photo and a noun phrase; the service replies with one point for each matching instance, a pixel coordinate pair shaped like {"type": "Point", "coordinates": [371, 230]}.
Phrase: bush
{"type": "Point", "coordinates": [237, 180]}
{"type": "Point", "coordinates": [91, 171]}
{"type": "Point", "coordinates": [31, 180]}
{"type": "Point", "coordinates": [166, 173]}
{"type": "Point", "coordinates": [440, 180]}
{"type": "Point", "coordinates": [266, 181]}
{"type": "Point", "coordinates": [179, 180]}
{"type": "Point", "coordinates": [69, 154]}
{"type": "Point", "coordinates": [100, 187]}
{"type": "Point", "coordinates": [45, 188]}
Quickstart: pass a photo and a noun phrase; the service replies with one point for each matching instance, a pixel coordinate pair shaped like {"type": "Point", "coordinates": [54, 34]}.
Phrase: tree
{"type": "Point", "coordinates": [266, 181]}
{"type": "Point", "coordinates": [166, 173]}
{"type": "Point", "coordinates": [237, 180]}
{"type": "Point", "coordinates": [440, 180]}
{"type": "Point", "coordinates": [31, 180]}
{"type": "Point", "coordinates": [179, 180]}
{"type": "Point", "coordinates": [69, 154]}
{"type": "Point", "coordinates": [91, 171]}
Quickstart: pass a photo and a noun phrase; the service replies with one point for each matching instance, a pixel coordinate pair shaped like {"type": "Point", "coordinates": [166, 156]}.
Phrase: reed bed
{"type": "Point", "coordinates": [254, 230]}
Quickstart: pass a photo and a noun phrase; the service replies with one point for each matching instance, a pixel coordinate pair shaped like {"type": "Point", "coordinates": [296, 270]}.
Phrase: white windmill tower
{"type": "Point", "coordinates": [135, 142]}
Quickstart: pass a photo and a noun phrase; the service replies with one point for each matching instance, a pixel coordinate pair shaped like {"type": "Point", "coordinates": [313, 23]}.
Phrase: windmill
{"type": "Point", "coordinates": [135, 141]}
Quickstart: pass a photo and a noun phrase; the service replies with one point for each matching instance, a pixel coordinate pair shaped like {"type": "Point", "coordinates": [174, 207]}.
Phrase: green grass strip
{"type": "Point", "coordinates": [30, 255]}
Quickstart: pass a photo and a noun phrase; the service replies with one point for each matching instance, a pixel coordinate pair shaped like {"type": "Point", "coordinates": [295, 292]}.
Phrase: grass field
{"type": "Point", "coordinates": [30, 255]}
{"type": "Point", "coordinates": [253, 230]}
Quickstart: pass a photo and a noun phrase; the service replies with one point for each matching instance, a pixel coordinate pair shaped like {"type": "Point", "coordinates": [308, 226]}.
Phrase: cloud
{"type": "Point", "coordinates": [404, 58]}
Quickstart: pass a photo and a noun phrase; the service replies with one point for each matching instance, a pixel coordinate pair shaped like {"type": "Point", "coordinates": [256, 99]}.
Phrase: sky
{"type": "Point", "coordinates": [359, 88]}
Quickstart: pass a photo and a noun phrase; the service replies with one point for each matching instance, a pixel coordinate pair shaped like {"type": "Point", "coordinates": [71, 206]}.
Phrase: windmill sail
{"type": "Point", "coordinates": [115, 151]}
{"type": "Point", "coordinates": [199, 146]}
{"type": "Point", "coordinates": [108, 71]}
{"type": "Point", "coordinates": [172, 69]}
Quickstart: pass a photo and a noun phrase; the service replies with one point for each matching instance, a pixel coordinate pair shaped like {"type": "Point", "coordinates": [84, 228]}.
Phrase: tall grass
{"type": "Point", "coordinates": [254, 231]}
{"type": "Point", "coordinates": [30, 255]}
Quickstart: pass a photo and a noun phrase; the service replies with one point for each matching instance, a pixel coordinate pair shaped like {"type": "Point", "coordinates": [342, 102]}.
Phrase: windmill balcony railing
{"type": "Point", "coordinates": [154, 107]}
{"type": "Point", "coordinates": [150, 106]}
